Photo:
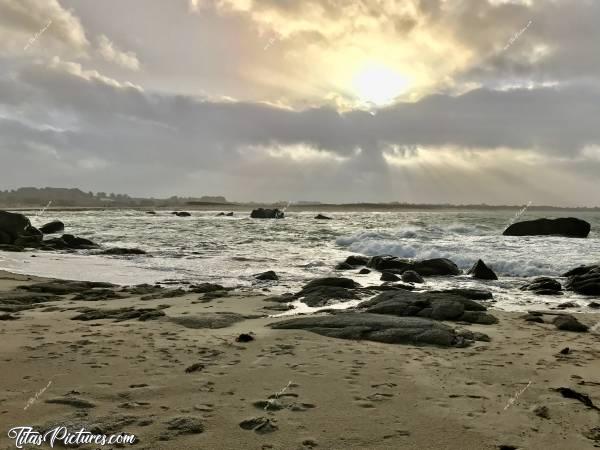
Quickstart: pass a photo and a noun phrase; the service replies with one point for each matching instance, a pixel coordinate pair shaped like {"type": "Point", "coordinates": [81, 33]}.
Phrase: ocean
{"type": "Point", "coordinates": [230, 250]}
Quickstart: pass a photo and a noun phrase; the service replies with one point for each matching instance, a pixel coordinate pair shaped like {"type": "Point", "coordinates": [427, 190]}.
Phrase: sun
{"type": "Point", "coordinates": [379, 85]}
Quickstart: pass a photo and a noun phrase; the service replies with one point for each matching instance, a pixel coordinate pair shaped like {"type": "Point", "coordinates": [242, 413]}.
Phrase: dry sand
{"type": "Point", "coordinates": [335, 394]}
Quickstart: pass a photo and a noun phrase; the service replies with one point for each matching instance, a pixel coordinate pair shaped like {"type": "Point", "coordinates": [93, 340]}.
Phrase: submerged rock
{"type": "Point", "coordinates": [181, 213]}
{"type": "Point", "coordinates": [482, 271]}
{"type": "Point", "coordinates": [322, 217]}
{"type": "Point", "coordinates": [543, 286]}
{"type": "Point", "coordinates": [123, 251]}
{"type": "Point", "coordinates": [565, 226]}
{"type": "Point", "coordinates": [262, 213]}
{"type": "Point", "coordinates": [378, 327]}
{"type": "Point", "coordinates": [269, 275]}
{"type": "Point", "coordinates": [56, 226]}
{"type": "Point", "coordinates": [357, 260]}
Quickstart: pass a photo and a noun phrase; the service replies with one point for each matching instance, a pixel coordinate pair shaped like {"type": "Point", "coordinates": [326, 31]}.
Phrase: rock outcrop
{"type": "Point", "coordinates": [426, 267]}
{"type": "Point", "coordinates": [584, 280]}
{"type": "Point", "coordinates": [565, 226]}
{"type": "Point", "coordinates": [262, 213]}
{"type": "Point", "coordinates": [482, 271]}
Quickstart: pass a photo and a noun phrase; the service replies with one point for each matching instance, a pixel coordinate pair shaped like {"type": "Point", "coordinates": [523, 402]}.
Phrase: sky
{"type": "Point", "coordinates": [419, 101]}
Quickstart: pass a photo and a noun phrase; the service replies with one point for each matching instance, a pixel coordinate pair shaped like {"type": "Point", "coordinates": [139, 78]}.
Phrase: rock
{"type": "Point", "coordinates": [583, 398]}
{"type": "Point", "coordinates": [332, 281]}
{"type": "Point", "coordinates": [438, 306]}
{"type": "Point", "coordinates": [203, 288]}
{"type": "Point", "coordinates": [364, 271]}
{"type": "Point", "coordinates": [222, 214]}
{"type": "Point", "coordinates": [389, 276]}
{"type": "Point", "coordinates": [14, 301]}
{"type": "Point", "coordinates": [5, 238]}
{"type": "Point", "coordinates": [7, 317]}
{"type": "Point", "coordinates": [208, 320]}
{"type": "Point", "coordinates": [410, 276]}
{"type": "Point", "coordinates": [28, 241]}
{"type": "Point", "coordinates": [584, 280]}
{"type": "Point", "coordinates": [543, 286]}
{"type": "Point", "coordinates": [594, 305]}
{"type": "Point", "coordinates": [71, 401]}
{"type": "Point", "coordinates": [378, 327]}
{"type": "Point", "coordinates": [181, 213]}
{"type": "Point", "coordinates": [11, 248]}
{"type": "Point", "coordinates": [322, 217]}
{"type": "Point", "coordinates": [566, 226]}
{"type": "Point", "coordinates": [384, 262]}
{"type": "Point", "coordinates": [244, 337]}
{"type": "Point", "coordinates": [13, 225]}
{"type": "Point", "coordinates": [482, 271]}
{"type": "Point", "coordinates": [78, 243]}
{"type": "Point", "coordinates": [318, 296]}
{"type": "Point", "coordinates": [268, 275]}
{"type": "Point", "coordinates": [260, 425]}
{"type": "Point", "coordinates": [122, 251]}
{"type": "Point", "coordinates": [153, 213]}
{"type": "Point", "coordinates": [566, 305]}
{"type": "Point", "coordinates": [472, 294]}
{"type": "Point", "coordinates": [262, 213]}
{"type": "Point", "coordinates": [567, 322]}
{"type": "Point", "coordinates": [64, 287]}
{"type": "Point", "coordinates": [357, 260]}
{"type": "Point", "coordinates": [194, 368]}
{"type": "Point", "coordinates": [56, 226]}
{"type": "Point", "coordinates": [344, 266]}
{"type": "Point", "coordinates": [533, 318]}
{"type": "Point", "coordinates": [436, 266]}
{"type": "Point", "coordinates": [565, 351]}
{"type": "Point", "coordinates": [119, 315]}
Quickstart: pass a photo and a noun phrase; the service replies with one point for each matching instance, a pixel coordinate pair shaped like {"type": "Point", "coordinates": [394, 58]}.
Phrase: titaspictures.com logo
{"type": "Point", "coordinates": [62, 437]}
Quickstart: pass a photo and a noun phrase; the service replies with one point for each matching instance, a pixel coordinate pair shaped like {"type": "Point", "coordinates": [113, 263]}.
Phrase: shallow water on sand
{"type": "Point", "coordinates": [229, 250]}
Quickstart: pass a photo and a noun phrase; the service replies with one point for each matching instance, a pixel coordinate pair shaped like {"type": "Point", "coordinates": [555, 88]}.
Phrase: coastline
{"type": "Point", "coordinates": [131, 375]}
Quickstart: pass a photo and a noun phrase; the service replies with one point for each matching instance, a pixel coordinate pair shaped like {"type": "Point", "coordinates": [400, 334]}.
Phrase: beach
{"type": "Point", "coordinates": [191, 385]}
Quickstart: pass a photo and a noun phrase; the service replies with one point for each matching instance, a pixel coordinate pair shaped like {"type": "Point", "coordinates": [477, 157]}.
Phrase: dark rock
{"type": "Point", "coordinates": [153, 213]}
{"type": "Point", "coordinates": [33, 241]}
{"type": "Point", "coordinates": [318, 296]}
{"type": "Point", "coordinates": [64, 287]}
{"type": "Point", "coordinates": [165, 293]}
{"type": "Point", "coordinates": [56, 226]}
{"type": "Point", "coordinates": [7, 317]}
{"type": "Point", "coordinates": [244, 337]}
{"type": "Point", "coordinates": [262, 213]}
{"type": "Point", "coordinates": [436, 266]}
{"type": "Point", "coordinates": [410, 276]}
{"type": "Point", "coordinates": [344, 266]}
{"type": "Point", "coordinates": [123, 251]}
{"type": "Point", "coordinates": [71, 401]}
{"type": "Point", "coordinates": [357, 260]}
{"type": "Point", "coordinates": [208, 320]}
{"type": "Point", "coordinates": [94, 295]}
{"type": "Point", "coordinates": [260, 425]}
{"type": "Point", "coordinates": [268, 275]}
{"type": "Point", "coordinates": [543, 286]}
{"type": "Point", "coordinates": [181, 213]}
{"type": "Point", "coordinates": [5, 238]}
{"type": "Point", "coordinates": [436, 306]}
{"type": "Point", "coordinates": [377, 327]}
{"type": "Point", "coordinates": [78, 242]}
{"type": "Point", "coordinates": [383, 262]}
{"type": "Point", "coordinates": [364, 271]}
{"type": "Point", "coordinates": [222, 214]}
{"type": "Point", "coordinates": [472, 294]}
{"type": "Point", "coordinates": [333, 282]}
{"type": "Point", "coordinates": [594, 305]}
{"type": "Point", "coordinates": [583, 398]}
{"type": "Point", "coordinates": [14, 301]}
{"type": "Point", "coordinates": [13, 225]}
{"type": "Point", "coordinates": [194, 368]}
{"type": "Point", "coordinates": [229, 214]}
{"type": "Point", "coordinates": [566, 322]}
{"type": "Point", "coordinates": [119, 315]}
{"type": "Point", "coordinates": [565, 351]}
{"type": "Point", "coordinates": [203, 288]}
{"type": "Point", "coordinates": [533, 318]}
{"type": "Point", "coordinates": [482, 271]}
{"type": "Point", "coordinates": [11, 248]}
{"type": "Point", "coordinates": [584, 280]}
{"type": "Point", "coordinates": [566, 226]}
{"type": "Point", "coordinates": [322, 217]}
{"type": "Point", "coordinates": [567, 305]}
{"type": "Point", "coordinates": [389, 276]}
{"type": "Point", "coordinates": [542, 411]}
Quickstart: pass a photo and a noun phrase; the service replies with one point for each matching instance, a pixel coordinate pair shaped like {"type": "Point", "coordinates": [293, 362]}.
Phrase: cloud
{"type": "Point", "coordinates": [93, 130]}
{"type": "Point", "coordinates": [111, 53]}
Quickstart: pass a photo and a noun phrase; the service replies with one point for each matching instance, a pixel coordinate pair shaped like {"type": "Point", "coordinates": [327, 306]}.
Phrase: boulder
{"type": "Point", "coordinates": [436, 266]}
{"type": "Point", "coordinates": [322, 217]}
{"type": "Point", "coordinates": [357, 260]}
{"type": "Point", "coordinates": [567, 322]}
{"type": "Point", "coordinates": [346, 283]}
{"type": "Point", "coordinates": [584, 280]}
{"type": "Point", "coordinates": [13, 225]}
{"type": "Point", "coordinates": [78, 243]}
{"type": "Point", "coordinates": [543, 286]}
{"type": "Point", "coordinates": [343, 266]}
{"type": "Point", "coordinates": [438, 306]}
{"type": "Point", "coordinates": [410, 276]}
{"type": "Point", "coordinates": [389, 276]}
{"type": "Point", "coordinates": [5, 238]}
{"type": "Point", "coordinates": [364, 271]}
{"type": "Point", "coordinates": [379, 328]}
{"type": "Point", "coordinates": [383, 262]}
{"type": "Point", "coordinates": [564, 226]}
{"type": "Point", "coordinates": [482, 271]}
{"type": "Point", "coordinates": [262, 213]}
{"type": "Point", "coordinates": [56, 226]}
{"type": "Point", "coordinates": [321, 291]}
{"type": "Point", "coordinates": [267, 276]}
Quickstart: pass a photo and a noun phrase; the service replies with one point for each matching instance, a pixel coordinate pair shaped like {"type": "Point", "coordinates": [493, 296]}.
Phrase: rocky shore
{"type": "Point", "coordinates": [212, 367]}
